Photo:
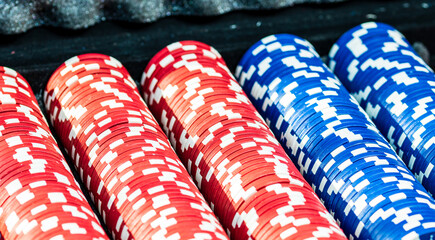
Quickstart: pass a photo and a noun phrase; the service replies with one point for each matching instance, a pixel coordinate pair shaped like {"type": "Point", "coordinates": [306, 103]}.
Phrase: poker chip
{"type": "Point", "coordinates": [396, 88]}
{"type": "Point", "coordinates": [39, 196]}
{"type": "Point", "coordinates": [230, 152]}
{"type": "Point", "coordinates": [337, 148]}
{"type": "Point", "coordinates": [137, 182]}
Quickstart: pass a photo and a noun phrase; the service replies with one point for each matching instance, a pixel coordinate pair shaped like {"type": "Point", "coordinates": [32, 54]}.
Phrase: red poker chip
{"type": "Point", "coordinates": [118, 181]}
{"type": "Point", "coordinates": [182, 46]}
{"type": "Point", "coordinates": [178, 228]}
{"type": "Point", "coordinates": [174, 60]}
{"type": "Point", "coordinates": [33, 168]}
{"type": "Point", "coordinates": [104, 101]}
{"type": "Point", "coordinates": [93, 138]}
{"type": "Point", "coordinates": [185, 47]}
{"type": "Point", "coordinates": [143, 209]}
{"type": "Point", "coordinates": [210, 102]}
{"type": "Point", "coordinates": [264, 152]}
{"type": "Point", "coordinates": [15, 136]}
{"type": "Point", "coordinates": [249, 161]}
{"type": "Point", "coordinates": [265, 205]}
{"type": "Point", "coordinates": [94, 81]}
{"type": "Point", "coordinates": [20, 109]}
{"type": "Point", "coordinates": [22, 139]}
{"type": "Point", "coordinates": [21, 153]}
{"type": "Point", "coordinates": [110, 61]}
{"type": "Point", "coordinates": [29, 128]}
{"type": "Point", "coordinates": [202, 115]}
{"type": "Point", "coordinates": [14, 81]}
{"type": "Point", "coordinates": [183, 76]}
{"type": "Point", "coordinates": [49, 197]}
{"type": "Point", "coordinates": [10, 85]}
{"type": "Point", "coordinates": [88, 63]}
{"type": "Point", "coordinates": [89, 96]}
{"type": "Point", "coordinates": [172, 187]}
{"type": "Point", "coordinates": [37, 162]}
{"type": "Point", "coordinates": [256, 210]}
{"type": "Point", "coordinates": [173, 88]}
{"type": "Point", "coordinates": [230, 204]}
{"type": "Point", "coordinates": [103, 117]}
{"type": "Point", "coordinates": [177, 60]}
{"type": "Point", "coordinates": [23, 169]}
{"type": "Point", "coordinates": [89, 111]}
{"type": "Point", "coordinates": [84, 96]}
{"type": "Point", "coordinates": [221, 164]}
{"type": "Point", "coordinates": [13, 181]}
{"type": "Point", "coordinates": [217, 108]}
{"type": "Point", "coordinates": [11, 117]}
{"type": "Point", "coordinates": [206, 133]}
{"type": "Point", "coordinates": [128, 142]}
{"type": "Point", "coordinates": [72, 77]}
{"type": "Point", "coordinates": [196, 82]}
{"type": "Point", "coordinates": [181, 96]}
{"type": "Point", "coordinates": [214, 149]}
{"type": "Point", "coordinates": [165, 199]}
{"type": "Point", "coordinates": [225, 139]}
{"type": "Point", "coordinates": [58, 214]}
{"type": "Point", "coordinates": [174, 78]}
{"type": "Point", "coordinates": [195, 63]}
{"type": "Point", "coordinates": [26, 197]}
{"type": "Point", "coordinates": [303, 228]}
{"type": "Point", "coordinates": [17, 104]}
{"type": "Point", "coordinates": [123, 159]}
{"type": "Point", "coordinates": [113, 124]}
{"type": "Point", "coordinates": [9, 95]}
{"type": "Point", "coordinates": [118, 116]}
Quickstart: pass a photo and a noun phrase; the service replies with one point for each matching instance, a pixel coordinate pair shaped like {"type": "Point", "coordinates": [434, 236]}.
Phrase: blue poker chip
{"type": "Point", "coordinates": [391, 82]}
{"type": "Point", "coordinates": [340, 168]}
{"type": "Point", "coordinates": [404, 79]}
{"type": "Point", "coordinates": [286, 44]}
{"type": "Point", "coordinates": [336, 146]}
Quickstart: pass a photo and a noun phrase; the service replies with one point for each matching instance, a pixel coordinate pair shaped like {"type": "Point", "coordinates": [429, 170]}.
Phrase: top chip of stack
{"type": "Point", "coordinates": [397, 89]}
{"type": "Point", "coordinates": [341, 154]}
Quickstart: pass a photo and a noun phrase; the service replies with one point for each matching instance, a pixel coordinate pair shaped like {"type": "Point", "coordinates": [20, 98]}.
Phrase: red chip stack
{"type": "Point", "coordinates": [241, 169]}
{"type": "Point", "coordinates": [39, 197]}
{"type": "Point", "coordinates": [139, 185]}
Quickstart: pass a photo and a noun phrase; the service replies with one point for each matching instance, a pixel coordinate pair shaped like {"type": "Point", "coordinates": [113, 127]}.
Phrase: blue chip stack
{"type": "Point", "coordinates": [337, 148]}
{"type": "Point", "coordinates": [396, 87]}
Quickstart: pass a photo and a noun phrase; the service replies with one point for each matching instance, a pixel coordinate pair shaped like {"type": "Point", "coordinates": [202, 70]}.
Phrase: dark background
{"type": "Point", "coordinates": [38, 52]}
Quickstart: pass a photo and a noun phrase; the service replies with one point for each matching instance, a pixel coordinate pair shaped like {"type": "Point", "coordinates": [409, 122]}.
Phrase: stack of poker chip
{"type": "Point", "coordinates": [253, 187]}
{"type": "Point", "coordinates": [379, 67]}
{"type": "Point", "coordinates": [349, 164]}
{"type": "Point", "coordinates": [39, 197]}
{"type": "Point", "coordinates": [135, 179]}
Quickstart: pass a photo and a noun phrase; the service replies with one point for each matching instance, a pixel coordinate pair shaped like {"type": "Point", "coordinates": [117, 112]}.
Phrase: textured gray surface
{"type": "Point", "coordinates": [18, 16]}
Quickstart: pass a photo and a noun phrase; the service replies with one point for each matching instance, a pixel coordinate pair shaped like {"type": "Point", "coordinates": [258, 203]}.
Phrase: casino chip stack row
{"type": "Point", "coordinates": [351, 167]}
{"type": "Point", "coordinates": [136, 180]}
{"type": "Point", "coordinates": [241, 169]}
{"type": "Point", "coordinates": [379, 67]}
{"type": "Point", "coordinates": [39, 197]}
